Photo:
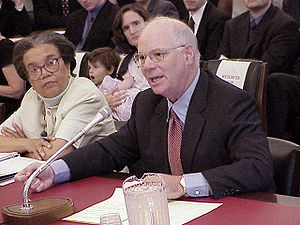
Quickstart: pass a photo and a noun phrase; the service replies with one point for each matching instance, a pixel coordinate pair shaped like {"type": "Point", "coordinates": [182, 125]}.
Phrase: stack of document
{"type": "Point", "coordinates": [10, 164]}
{"type": "Point", "coordinates": [116, 204]}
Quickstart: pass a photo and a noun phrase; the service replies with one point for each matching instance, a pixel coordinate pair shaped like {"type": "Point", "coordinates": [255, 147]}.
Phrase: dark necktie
{"type": "Point", "coordinates": [252, 28]}
{"type": "Point", "coordinates": [65, 7]}
{"type": "Point", "coordinates": [86, 33]}
{"type": "Point", "coordinates": [191, 24]}
{"type": "Point", "coordinates": [252, 25]}
{"type": "Point", "coordinates": [174, 144]}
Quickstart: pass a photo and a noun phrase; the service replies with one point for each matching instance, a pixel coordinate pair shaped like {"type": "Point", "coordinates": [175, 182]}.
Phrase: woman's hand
{"type": "Point", "coordinates": [37, 148]}
{"type": "Point", "coordinates": [115, 99]}
{"type": "Point", "coordinates": [16, 133]}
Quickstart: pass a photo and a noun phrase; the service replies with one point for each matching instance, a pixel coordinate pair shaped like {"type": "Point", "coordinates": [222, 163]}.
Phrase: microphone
{"type": "Point", "coordinates": [26, 207]}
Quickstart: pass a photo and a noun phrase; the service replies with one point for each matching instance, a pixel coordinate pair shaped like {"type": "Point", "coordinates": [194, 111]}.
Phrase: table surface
{"type": "Point", "coordinates": [241, 210]}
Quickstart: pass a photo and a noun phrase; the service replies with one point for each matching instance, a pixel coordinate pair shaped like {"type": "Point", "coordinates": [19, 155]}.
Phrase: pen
{"type": "Point", "coordinates": [9, 156]}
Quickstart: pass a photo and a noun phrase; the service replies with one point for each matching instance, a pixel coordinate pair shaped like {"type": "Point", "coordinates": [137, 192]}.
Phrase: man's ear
{"type": "Point", "coordinates": [189, 54]}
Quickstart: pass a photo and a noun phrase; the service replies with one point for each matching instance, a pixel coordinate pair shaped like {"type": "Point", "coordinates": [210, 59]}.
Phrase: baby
{"type": "Point", "coordinates": [103, 64]}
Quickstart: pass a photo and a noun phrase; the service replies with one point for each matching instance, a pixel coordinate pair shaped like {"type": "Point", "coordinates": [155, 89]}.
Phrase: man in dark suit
{"type": "Point", "coordinates": [292, 7]}
{"type": "Point", "coordinates": [49, 14]}
{"type": "Point", "coordinates": [90, 28]}
{"type": "Point", "coordinates": [201, 133]}
{"type": "Point", "coordinates": [14, 19]}
{"type": "Point", "coordinates": [208, 26]}
{"type": "Point", "coordinates": [159, 8]}
{"type": "Point", "coordinates": [283, 103]}
{"type": "Point", "coordinates": [265, 33]}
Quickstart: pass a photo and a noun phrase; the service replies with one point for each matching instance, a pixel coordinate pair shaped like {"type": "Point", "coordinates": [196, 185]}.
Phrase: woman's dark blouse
{"type": "Point", "coordinates": [6, 50]}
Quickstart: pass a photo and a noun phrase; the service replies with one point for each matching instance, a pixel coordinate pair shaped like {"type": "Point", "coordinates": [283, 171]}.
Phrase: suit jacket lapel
{"type": "Point", "coordinates": [241, 37]}
{"type": "Point", "coordinates": [100, 20]}
{"type": "Point", "coordinates": [201, 32]}
{"type": "Point", "coordinates": [159, 136]}
{"type": "Point", "coordinates": [80, 25]}
{"type": "Point", "coordinates": [260, 29]}
{"type": "Point", "coordinates": [194, 123]}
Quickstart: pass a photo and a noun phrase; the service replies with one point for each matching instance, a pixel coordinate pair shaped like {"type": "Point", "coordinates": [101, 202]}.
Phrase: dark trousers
{"type": "Point", "coordinates": [283, 103]}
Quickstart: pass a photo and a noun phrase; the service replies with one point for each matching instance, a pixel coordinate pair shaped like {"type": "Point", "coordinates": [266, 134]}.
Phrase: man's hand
{"type": "Point", "coordinates": [174, 189]}
{"type": "Point", "coordinates": [42, 182]}
{"type": "Point", "coordinates": [115, 99]}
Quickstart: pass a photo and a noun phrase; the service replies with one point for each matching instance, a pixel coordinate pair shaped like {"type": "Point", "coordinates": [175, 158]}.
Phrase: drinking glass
{"type": "Point", "coordinates": [110, 219]}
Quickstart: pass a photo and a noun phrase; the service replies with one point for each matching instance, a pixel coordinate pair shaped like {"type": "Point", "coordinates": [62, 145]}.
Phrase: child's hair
{"type": "Point", "coordinates": [107, 57]}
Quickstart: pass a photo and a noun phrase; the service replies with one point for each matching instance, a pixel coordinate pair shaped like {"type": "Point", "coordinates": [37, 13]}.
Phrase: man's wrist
{"type": "Point", "coordinates": [183, 185]}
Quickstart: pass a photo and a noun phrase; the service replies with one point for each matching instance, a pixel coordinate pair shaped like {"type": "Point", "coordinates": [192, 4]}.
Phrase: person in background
{"type": "Point", "coordinates": [223, 5]}
{"type": "Point", "coordinates": [12, 86]}
{"type": "Point", "coordinates": [264, 33]}
{"type": "Point", "coordinates": [283, 104]}
{"type": "Point", "coordinates": [127, 27]}
{"type": "Point", "coordinates": [283, 101]}
{"type": "Point", "coordinates": [14, 18]}
{"type": "Point", "coordinates": [207, 22]}
{"type": "Point", "coordinates": [182, 12]}
{"type": "Point", "coordinates": [90, 28]}
{"type": "Point", "coordinates": [103, 64]}
{"type": "Point", "coordinates": [57, 107]}
{"type": "Point", "coordinates": [159, 8]}
{"type": "Point", "coordinates": [121, 3]}
{"type": "Point", "coordinates": [50, 14]}
{"type": "Point", "coordinates": [179, 128]}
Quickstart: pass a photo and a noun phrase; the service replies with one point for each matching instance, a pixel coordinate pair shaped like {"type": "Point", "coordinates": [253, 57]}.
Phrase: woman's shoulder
{"type": "Point", "coordinates": [82, 89]}
{"type": "Point", "coordinates": [83, 83]}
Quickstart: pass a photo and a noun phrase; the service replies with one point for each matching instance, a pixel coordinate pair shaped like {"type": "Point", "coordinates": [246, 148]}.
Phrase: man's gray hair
{"type": "Point", "coordinates": [182, 34]}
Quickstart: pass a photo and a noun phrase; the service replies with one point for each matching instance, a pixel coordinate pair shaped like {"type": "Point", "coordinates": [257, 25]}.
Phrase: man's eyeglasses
{"type": "Point", "coordinates": [156, 55]}
{"type": "Point", "coordinates": [35, 72]}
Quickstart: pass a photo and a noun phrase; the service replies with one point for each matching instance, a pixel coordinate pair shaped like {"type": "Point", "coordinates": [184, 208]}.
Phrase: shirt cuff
{"type": "Point", "coordinates": [196, 185]}
{"type": "Point", "coordinates": [61, 171]}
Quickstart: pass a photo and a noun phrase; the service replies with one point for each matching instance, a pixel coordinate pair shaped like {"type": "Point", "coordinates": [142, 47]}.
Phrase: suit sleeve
{"type": "Point", "coordinates": [251, 167]}
{"type": "Point", "coordinates": [224, 48]}
{"type": "Point", "coordinates": [283, 48]}
{"type": "Point", "coordinates": [215, 31]}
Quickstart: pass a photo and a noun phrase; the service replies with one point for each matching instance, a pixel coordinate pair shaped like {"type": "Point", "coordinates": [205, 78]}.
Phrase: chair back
{"type": "Point", "coordinates": [254, 84]}
{"type": "Point", "coordinates": [80, 61]}
{"type": "Point", "coordinates": [286, 163]}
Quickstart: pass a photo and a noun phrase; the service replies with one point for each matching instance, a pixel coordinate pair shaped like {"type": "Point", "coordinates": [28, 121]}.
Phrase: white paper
{"type": "Point", "coordinates": [233, 72]}
{"type": "Point", "coordinates": [14, 165]}
{"type": "Point", "coordinates": [116, 204]}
